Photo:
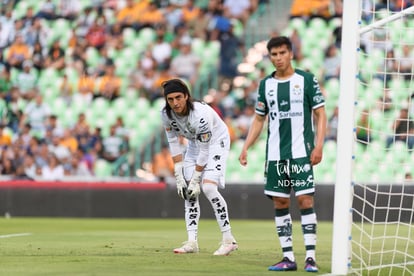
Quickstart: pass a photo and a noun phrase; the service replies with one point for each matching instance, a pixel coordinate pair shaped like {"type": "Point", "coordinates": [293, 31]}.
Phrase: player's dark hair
{"type": "Point", "coordinates": [176, 85]}
{"type": "Point", "coordinates": [278, 41]}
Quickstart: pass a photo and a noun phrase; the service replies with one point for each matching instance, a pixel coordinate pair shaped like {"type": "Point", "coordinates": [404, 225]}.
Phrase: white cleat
{"type": "Point", "coordinates": [187, 247]}
{"type": "Point", "coordinates": [226, 248]}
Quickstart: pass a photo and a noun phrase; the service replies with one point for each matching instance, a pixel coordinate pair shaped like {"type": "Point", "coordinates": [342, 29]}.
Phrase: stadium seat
{"type": "Point", "coordinates": [146, 36]}
{"type": "Point", "coordinates": [129, 36]}
{"type": "Point", "coordinates": [102, 168]}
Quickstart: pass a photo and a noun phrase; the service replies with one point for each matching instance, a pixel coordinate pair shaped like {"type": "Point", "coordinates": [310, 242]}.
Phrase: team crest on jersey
{"type": "Point", "coordinates": [297, 90]}
{"type": "Point", "coordinates": [260, 106]}
{"type": "Point", "coordinates": [204, 137]}
{"type": "Point", "coordinates": [318, 98]}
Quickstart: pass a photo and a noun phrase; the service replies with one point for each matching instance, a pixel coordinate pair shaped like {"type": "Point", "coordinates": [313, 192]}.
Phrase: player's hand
{"type": "Point", "coordinates": [180, 181]}
{"type": "Point", "coordinates": [194, 186]}
{"type": "Point", "coordinates": [316, 156]}
{"type": "Point", "coordinates": [243, 158]}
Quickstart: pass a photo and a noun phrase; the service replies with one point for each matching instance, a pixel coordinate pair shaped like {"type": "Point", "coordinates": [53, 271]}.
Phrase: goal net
{"type": "Point", "coordinates": [377, 167]}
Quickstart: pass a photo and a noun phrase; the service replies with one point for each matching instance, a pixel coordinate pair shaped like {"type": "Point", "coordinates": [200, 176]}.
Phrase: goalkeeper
{"type": "Point", "coordinates": [203, 165]}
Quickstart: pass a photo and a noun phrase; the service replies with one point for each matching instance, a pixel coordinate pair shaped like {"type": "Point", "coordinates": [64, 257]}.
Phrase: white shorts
{"type": "Point", "coordinates": [215, 169]}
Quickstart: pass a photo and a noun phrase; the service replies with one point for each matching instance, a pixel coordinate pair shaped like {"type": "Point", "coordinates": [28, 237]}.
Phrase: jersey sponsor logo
{"type": "Point", "coordinates": [289, 114]}
{"type": "Point", "coordinates": [282, 168]}
{"type": "Point", "coordinates": [283, 103]}
{"type": "Point", "coordinates": [204, 137]}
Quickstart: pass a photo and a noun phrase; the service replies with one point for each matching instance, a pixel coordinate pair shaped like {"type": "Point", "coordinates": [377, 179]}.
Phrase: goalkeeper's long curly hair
{"type": "Point", "coordinates": [176, 85]}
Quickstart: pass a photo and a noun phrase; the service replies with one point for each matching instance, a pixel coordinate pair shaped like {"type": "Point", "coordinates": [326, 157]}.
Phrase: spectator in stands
{"type": "Point", "coordinates": [56, 56]}
{"type": "Point", "coordinates": [36, 113]}
{"type": "Point", "coordinates": [79, 166]}
{"type": "Point", "coordinates": [161, 49]}
{"type": "Point", "coordinates": [363, 130]}
{"type": "Point", "coordinates": [405, 62]}
{"type": "Point", "coordinates": [332, 63]}
{"type": "Point", "coordinates": [164, 74]}
{"type": "Point", "coordinates": [37, 33]}
{"type": "Point", "coordinates": [296, 45]}
{"type": "Point", "coordinates": [231, 48]}
{"type": "Point", "coordinates": [25, 136]}
{"type": "Point", "coordinates": [96, 35]}
{"type": "Point", "coordinates": [162, 164]}
{"type": "Point", "coordinates": [66, 89]}
{"type": "Point", "coordinates": [244, 120]}
{"type": "Point", "coordinates": [307, 9]}
{"type": "Point", "coordinates": [58, 149]}
{"type": "Point", "coordinates": [7, 30]}
{"type": "Point", "coordinates": [39, 56]}
{"type": "Point", "coordinates": [18, 52]}
{"type": "Point", "coordinates": [387, 68]}
{"type": "Point", "coordinates": [332, 126]}
{"type": "Point", "coordinates": [29, 166]}
{"type": "Point", "coordinates": [150, 16]}
{"type": "Point", "coordinates": [47, 10]}
{"type": "Point", "coordinates": [403, 129]}
{"type": "Point", "coordinates": [69, 141]}
{"type": "Point", "coordinates": [186, 64]}
{"type": "Point", "coordinates": [5, 83]}
{"type": "Point", "coordinates": [239, 9]}
{"type": "Point", "coordinates": [128, 15]}
{"type": "Point", "coordinates": [69, 9]}
{"type": "Point", "coordinates": [53, 170]}
{"type": "Point", "coordinates": [14, 112]}
{"type": "Point", "coordinates": [26, 81]}
{"type": "Point", "coordinates": [86, 86]}
{"type": "Point", "coordinates": [190, 13]}
{"type": "Point", "coordinates": [84, 21]}
{"type": "Point", "coordinates": [385, 103]}
{"type": "Point", "coordinates": [113, 146]}
{"type": "Point", "coordinates": [5, 139]}
{"type": "Point", "coordinates": [122, 131]}
{"type": "Point", "coordinates": [81, 127]}
{"type": "Point", "coordinates": [109, 85]}
{"type": "Point", "coordinates": [6, 167]}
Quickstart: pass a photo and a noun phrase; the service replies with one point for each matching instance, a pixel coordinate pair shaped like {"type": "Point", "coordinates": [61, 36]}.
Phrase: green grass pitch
{"type": "Point", "coordinates": [65, 246]}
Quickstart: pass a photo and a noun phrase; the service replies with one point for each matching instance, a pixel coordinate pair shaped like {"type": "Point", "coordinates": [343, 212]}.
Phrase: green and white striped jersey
{"type": "Point", "coordinates": [289, 104]}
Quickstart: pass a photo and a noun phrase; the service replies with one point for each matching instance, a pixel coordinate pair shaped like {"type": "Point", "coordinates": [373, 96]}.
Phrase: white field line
{"type": "Point", "coordinates": [14, 235]}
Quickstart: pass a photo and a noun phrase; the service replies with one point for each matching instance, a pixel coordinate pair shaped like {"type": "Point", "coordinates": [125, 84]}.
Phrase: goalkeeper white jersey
{"type": "Point", "coordinates": [203, 127]}
{"type": "Point", "coordinates": [289, 104]}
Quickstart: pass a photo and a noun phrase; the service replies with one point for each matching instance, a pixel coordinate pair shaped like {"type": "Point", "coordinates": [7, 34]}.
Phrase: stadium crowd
{"type": "Point", "coordinates": [90, 51]}
{"type": "Point", "coordinates": [52, 40]}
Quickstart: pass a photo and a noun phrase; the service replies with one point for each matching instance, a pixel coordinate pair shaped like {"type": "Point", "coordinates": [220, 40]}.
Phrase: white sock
{"type": "Point", "coordinates": [220, 208]}
{"type": "Point", "coordinates": [192, 216]}
{"type": "Point", "coordinates": [283, 222]}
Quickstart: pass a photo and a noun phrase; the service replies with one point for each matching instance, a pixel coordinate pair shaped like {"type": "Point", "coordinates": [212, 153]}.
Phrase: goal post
{"type": "Point", "coordinates": [373, 223]}
{"type": "Point", "coordinates": [343, 184]}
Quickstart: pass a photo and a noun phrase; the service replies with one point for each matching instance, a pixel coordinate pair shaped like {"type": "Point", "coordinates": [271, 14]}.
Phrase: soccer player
{"type": "Point", "coordinates": [203, 165]}
{"type": "Point", "coordinates": [291, 99]}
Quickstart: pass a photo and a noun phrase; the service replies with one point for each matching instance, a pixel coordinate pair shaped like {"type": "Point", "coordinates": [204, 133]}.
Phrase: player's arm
{"type": "Point", "coordinates": [254, 132]}
{"type": "Point", "coordinates": [320, 116]}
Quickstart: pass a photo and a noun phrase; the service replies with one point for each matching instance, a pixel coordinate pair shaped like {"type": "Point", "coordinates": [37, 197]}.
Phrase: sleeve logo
{"type": "Point", "coordinates": [204, 137]}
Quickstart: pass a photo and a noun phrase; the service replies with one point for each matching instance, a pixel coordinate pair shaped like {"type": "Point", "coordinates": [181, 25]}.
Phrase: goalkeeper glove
{"type": "Point", "coordinates": [180, 181]}
{"type": "Point", "coordinates": [194, 186]}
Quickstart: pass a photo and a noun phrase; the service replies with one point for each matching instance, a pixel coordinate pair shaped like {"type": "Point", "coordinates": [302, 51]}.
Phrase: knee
{"type": "Point", "coordinates": [209, 189]}
{"type": "Point", "coordinates": [305, 202]}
